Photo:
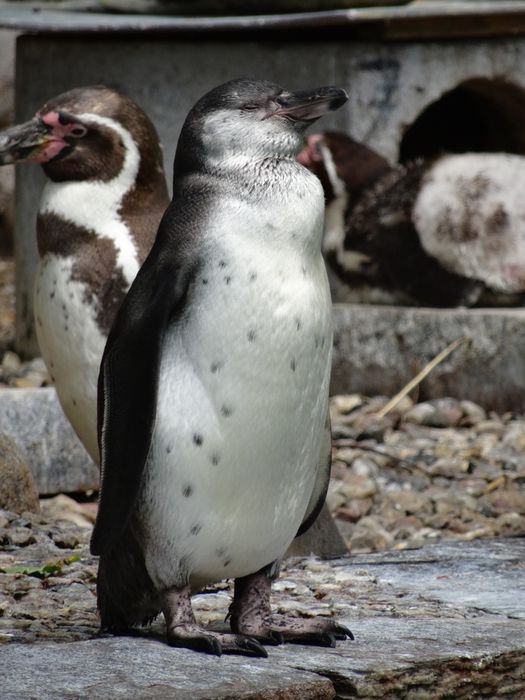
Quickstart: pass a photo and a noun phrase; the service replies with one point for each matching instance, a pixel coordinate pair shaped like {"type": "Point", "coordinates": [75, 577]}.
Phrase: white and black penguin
{"type": "Point", "coordinates": [444, 232]}
{"type": "Point", "coordinates": [97, 220]}
{"type": "Point", "coordinates": [213, 394]}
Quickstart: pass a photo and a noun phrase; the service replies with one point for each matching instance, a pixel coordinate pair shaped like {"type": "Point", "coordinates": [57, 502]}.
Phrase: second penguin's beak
{"type": "Point", "coordinates": [309, 105]}
{"type": "Point", "coordinates": [24, 141]}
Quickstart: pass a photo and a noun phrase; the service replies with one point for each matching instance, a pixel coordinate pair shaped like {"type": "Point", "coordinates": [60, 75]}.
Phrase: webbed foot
{"type": "Point", "coordinates": [250, 614]}
{"type": "Point", "coordinates": [183, 630]}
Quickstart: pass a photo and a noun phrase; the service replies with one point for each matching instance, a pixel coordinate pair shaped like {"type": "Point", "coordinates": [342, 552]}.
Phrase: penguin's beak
{"type": "Point", "coordinates": [309, 105]}
{"type": "Point", "coordinates": [24, 141]}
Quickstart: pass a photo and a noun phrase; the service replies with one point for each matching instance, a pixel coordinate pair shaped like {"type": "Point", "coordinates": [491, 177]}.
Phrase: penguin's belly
{"type": "Point", "coordinates": [71, 344]}
{"type": "Point", "coordinates": [242, 404]}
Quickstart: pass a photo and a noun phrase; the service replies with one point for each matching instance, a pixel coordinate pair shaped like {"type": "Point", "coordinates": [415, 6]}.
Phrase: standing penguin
{"type": "Point", "coordinates": [213, 392]}
{"type": "Point", "coordinates": [98, 216]}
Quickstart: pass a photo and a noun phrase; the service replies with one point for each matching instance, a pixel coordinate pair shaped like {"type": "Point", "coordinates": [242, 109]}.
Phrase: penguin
{"type": "Point", "coordinates": [213, 390]}
{"type": "Point", "coordinates": [98, 216]}
{"type": "Point", "coordinates": [442, 232]}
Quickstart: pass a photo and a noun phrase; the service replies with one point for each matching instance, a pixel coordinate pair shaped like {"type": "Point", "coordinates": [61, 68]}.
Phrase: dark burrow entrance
{"type": "Point", "coordinates": [480, 114]}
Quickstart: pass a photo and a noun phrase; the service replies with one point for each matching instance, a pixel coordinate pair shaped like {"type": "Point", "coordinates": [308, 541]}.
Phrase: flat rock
{"type": "Point", "coordinates": [134, 669]}
{"type": "Point", "coordinates": [446, 620]}
{"type": "Point", "coordinates": [34, 420]}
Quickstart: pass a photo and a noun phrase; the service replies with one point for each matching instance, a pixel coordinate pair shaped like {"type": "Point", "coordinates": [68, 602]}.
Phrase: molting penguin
{"type": "Point", "coordinates": [213, 393]}
{"type": "Point", "coordinates": [98, 216]}
{"type": "Point", "coordinates": [442, 232]}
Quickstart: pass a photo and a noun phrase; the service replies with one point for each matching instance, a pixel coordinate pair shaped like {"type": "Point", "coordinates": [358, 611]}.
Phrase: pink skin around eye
{"type": "Point", "coordinates": [310, 153]}
{"type": "Point", "coordinates": [56, 142]}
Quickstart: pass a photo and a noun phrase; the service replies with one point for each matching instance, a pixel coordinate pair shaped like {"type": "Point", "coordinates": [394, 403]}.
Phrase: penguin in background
{"type": "Point", "coordinates": [444, 231]}
{"type": "Point", "coordinates": [98, 216]}
{"type": "Point", "coordinates": [213, 390]}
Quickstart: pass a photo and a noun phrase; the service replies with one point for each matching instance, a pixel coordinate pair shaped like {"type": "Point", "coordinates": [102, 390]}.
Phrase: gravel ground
{"type": "Point", "coordinates": [426, 472]}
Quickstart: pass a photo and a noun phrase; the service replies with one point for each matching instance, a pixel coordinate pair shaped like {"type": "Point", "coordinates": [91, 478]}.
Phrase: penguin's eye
{"type": "Point", "coordinates": [78, 130]}
{"type": "Point", "coordinates": [250, 107]}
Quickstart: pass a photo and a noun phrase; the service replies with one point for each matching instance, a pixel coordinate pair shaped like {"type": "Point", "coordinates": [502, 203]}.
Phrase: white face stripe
{"type": "Point", "coordinates": [95, 205]}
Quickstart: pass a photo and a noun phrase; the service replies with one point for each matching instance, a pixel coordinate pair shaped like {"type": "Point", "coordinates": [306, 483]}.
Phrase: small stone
{"type": "Point", "coordinates": [355, 509]}
{"type": "Point", "coordinates": [346, 403]}
{"type": "Point", "coordinates": [20, 536]}
{"type": "Point", "coordinates": [364, 467]}
{"type": "Point", "coordinates": [449, 467]}
{"type": "Point", "coordinates": [11, 363]}
{"type": "Point", "coordinates": [63, 507]}
{"type": "Point", "coordinates": [505, 501]}
{"type": "Point", "coordinates": [355, 486]}
{"type": "Point", "coordinates": [490, 426]}
{"type": "Point", "coordinates": [409, 502]}
{"type": "Point", "coordinates": [65, 539]}
{"type": "Point", "coordinates": [18, 490]}
{"type": "Point", "coordinates": [509, 524]}
{"type": "Point", "coordinates": [369, 535]}
{"type": "Point", "coordinates": [472, 413]}
{"type": "Point", "coordinates": [474, 487]}
{"type": "Point", "coordinates": [418, 413]}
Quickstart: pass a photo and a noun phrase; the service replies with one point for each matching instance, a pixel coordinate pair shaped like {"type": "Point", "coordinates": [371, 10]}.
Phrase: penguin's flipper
{"type": "Point", "coordinates": [318, 496]}
{"type": "Point", "coordinates": [128, 385]}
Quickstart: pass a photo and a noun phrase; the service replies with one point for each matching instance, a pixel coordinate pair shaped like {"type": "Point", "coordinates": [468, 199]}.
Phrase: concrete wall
{"type": "Point", "coordinates": [389, 85]}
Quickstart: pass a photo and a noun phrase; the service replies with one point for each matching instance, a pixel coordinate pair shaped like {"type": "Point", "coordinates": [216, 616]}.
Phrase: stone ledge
{"type": "Point", "coordinates": [447, 620]}
{"type": "Point", "coordinates": [378, 349]}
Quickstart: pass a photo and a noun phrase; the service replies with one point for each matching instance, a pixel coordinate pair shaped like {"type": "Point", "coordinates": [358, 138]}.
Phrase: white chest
{"type": "Point", "coordinates": [71, 344]}
{"type": "Point", "coordinates": [242, 404]}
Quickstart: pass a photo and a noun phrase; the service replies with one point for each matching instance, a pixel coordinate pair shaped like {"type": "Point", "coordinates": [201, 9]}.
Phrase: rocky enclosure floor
{"type": "Point", "coordinates": [427, 472]}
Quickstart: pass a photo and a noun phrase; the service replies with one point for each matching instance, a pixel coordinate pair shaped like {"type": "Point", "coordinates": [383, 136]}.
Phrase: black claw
{"type": "Point", "coordinates": [213, 646]}
{"type": "Point", "coordinates": [342, 632]}
{"type": "Point", "coordinates": [256, 647]}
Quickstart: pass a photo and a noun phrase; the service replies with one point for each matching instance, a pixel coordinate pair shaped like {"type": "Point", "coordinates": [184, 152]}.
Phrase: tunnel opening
{"type": "Point", "coordinates": [479, 115]}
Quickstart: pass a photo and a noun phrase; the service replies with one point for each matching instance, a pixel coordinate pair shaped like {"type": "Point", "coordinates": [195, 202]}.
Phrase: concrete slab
{"type": "Point", "coordinates": [446, 620]}
{"type": "Point", "coordinates": [378, 349]}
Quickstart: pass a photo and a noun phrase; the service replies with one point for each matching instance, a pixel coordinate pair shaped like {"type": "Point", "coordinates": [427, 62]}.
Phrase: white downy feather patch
{"type": "Point", "coordinates": [470, 215]}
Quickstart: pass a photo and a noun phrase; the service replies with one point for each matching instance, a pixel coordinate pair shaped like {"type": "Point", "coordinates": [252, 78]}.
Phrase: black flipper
{"type": "Point", "coordinates": [128, 381]}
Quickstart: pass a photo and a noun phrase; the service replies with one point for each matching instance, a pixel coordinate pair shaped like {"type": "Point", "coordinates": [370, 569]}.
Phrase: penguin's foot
{"type": "Point", "coordinates": [193, 636]}
{"type": "Point", "coordinates": [250, 614]}
{"type": "Point", "coordinates": [183, 630]}
{"type": "Point", "coordinates": [317, 631]}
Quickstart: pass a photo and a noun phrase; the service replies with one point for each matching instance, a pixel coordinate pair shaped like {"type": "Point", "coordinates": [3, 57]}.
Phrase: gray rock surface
{"type": "Point", "coordinates": [139, 669]}
{"type": "Point", "coordinates": [34, 420]}
{"type": "Point", "coordinates": [378, 349]}
{"type": "Point", "coordinates": [447, 620]}
{"type": "Point", "coordinates": [18, 490]}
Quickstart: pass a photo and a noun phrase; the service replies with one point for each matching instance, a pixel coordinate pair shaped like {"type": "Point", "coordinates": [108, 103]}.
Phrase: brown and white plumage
{"type": "Point", "coordinates": [443, 232]}
{"type": "Point", "coordinates": [98, 215]}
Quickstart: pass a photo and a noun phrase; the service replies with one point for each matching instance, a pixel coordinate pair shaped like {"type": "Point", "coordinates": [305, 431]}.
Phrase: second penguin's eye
{"type": "Point", "coordinates": [78, 131]}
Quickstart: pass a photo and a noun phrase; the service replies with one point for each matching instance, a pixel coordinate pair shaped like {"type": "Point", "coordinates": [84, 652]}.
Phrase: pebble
{"type": "Point", "coordinates": [23, 375]}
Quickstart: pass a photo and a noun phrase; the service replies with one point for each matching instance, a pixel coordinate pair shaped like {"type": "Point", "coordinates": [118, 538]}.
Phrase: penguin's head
{"type": "Point", "coordinates": [251, 118]}
{"type": "Point", "coordinates": [84, 134]}
{"type": "Point", "coordinates": [343, 165]}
